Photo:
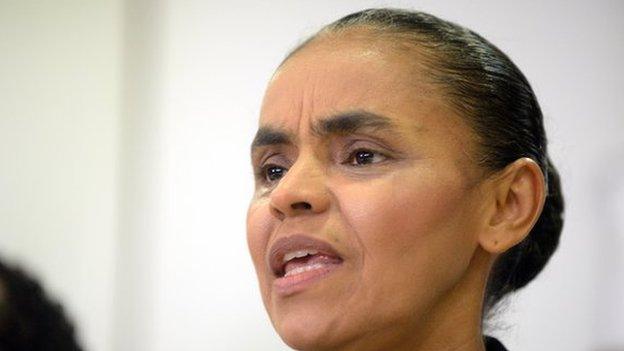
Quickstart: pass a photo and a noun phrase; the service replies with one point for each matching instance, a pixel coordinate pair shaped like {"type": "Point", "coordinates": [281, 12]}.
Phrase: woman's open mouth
{"type": "Point", "coordinates": [298, 261]}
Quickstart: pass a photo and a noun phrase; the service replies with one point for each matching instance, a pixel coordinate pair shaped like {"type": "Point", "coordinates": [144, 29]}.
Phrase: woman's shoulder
{"type": "Point", "coordinates": [492, 344]}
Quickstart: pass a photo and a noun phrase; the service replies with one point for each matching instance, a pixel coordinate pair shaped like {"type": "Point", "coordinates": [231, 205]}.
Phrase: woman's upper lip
{"type": "Point", "coordinates": [296, 242]}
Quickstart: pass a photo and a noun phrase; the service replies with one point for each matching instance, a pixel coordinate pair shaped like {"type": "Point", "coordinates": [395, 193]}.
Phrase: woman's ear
{"type": "Point", "coordinates": [515, 201]}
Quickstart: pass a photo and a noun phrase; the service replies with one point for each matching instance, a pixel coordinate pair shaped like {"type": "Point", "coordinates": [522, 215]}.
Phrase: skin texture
{"type": "Point", "coordinates": [417, 224]}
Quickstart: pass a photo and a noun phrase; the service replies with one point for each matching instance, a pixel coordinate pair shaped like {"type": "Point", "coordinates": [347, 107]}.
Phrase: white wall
{"type": "Point", "coordinates": [163, 265]}
{"type": "Point", "coordinates": [140, 200]}
{"type": "Point", "coordinates": [59, 116]}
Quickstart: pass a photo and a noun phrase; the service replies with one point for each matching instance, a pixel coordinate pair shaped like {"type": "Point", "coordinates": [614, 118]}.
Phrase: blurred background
{"type": "Point", "coordinates": [124, 161]}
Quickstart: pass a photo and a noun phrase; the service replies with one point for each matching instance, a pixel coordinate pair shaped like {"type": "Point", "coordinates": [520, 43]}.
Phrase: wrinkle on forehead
{"type": "Point", "coordinates": [348, 79]}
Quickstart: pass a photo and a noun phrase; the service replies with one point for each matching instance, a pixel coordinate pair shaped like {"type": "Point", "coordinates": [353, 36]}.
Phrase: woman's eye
{"type": "Point", "coordinates": [271, 173]}
{"type": "Point", "coordinates": [363, 157]}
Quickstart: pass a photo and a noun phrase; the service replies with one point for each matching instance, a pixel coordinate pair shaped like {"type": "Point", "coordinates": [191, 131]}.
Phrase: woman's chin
{"type": "Point", "coordinates": [307, 333]}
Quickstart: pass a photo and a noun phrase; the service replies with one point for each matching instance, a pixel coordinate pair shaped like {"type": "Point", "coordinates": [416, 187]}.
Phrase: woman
{"type": "Point", "coordinates": [403, 186]}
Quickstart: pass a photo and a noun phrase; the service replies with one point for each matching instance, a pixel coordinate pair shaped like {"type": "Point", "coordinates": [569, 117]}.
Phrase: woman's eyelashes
{"type": "Point", "coordinates": [271, 168]}
{"type": "Point", "coordinates": [271, 173]}
{"type": "Point", "coordinates": [362, 157]}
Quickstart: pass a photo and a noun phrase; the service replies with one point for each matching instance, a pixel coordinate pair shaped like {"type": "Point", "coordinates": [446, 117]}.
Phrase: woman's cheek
{"type": "Point", "coordinates": [399, 203]}
{"type": "Point", "coordinates": [401, 218]}
{"type": "Point", "coordinates": [259, 228]}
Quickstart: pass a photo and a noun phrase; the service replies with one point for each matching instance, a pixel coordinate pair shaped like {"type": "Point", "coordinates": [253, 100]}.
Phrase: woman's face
{"type": "Point", "coordinates": [365, 212]}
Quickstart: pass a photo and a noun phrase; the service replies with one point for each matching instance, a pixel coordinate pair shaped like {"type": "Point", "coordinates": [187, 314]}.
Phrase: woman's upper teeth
{"type": "Point", "coordinates": [298, 254]}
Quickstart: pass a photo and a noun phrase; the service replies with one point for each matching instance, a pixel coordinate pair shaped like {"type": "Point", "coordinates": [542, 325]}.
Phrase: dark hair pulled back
{"type": "Point", "coordinates": [487, 88]}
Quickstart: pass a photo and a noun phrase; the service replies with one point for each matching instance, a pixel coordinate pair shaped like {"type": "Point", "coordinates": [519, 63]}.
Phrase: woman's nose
{"type": "Point", "coordinates": [301, 190]}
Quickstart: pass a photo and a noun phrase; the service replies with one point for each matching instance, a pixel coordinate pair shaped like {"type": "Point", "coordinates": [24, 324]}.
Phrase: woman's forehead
{"type": "Point", "coordinates": [324, 80]}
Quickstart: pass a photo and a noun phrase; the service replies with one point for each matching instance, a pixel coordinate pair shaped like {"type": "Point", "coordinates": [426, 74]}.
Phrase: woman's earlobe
{"type": "Point", "coordinates": [517, 198]}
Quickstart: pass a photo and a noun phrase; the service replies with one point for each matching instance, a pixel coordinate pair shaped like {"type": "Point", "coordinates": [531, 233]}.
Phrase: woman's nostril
{"type": "Point", "coordinates": [277, 213]}
{"type": "Point", "coordinates": [301, 205]}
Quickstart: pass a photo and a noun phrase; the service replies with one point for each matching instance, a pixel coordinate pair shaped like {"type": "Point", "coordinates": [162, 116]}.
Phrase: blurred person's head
{"type": "Point", "coordinates": [30, 320]}
{"type": "Point", "coordinates": [403, 185]}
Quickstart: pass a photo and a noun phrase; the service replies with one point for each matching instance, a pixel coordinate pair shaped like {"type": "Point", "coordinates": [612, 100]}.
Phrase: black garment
{"type": "Point", "coordinates": [492, 344]}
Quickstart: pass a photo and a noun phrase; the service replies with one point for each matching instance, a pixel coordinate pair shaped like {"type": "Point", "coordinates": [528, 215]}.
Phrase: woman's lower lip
{"type": "Point", "coordinates": [289, 285]}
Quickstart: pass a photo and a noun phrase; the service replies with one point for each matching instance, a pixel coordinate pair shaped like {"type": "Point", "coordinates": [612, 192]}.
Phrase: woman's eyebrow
{"type": "Point", "coordinates": [340, 124]}
{"type": "Point", "coordinates": [352, 122]}
{"type": "Point", "coordinates": [270, 136]}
